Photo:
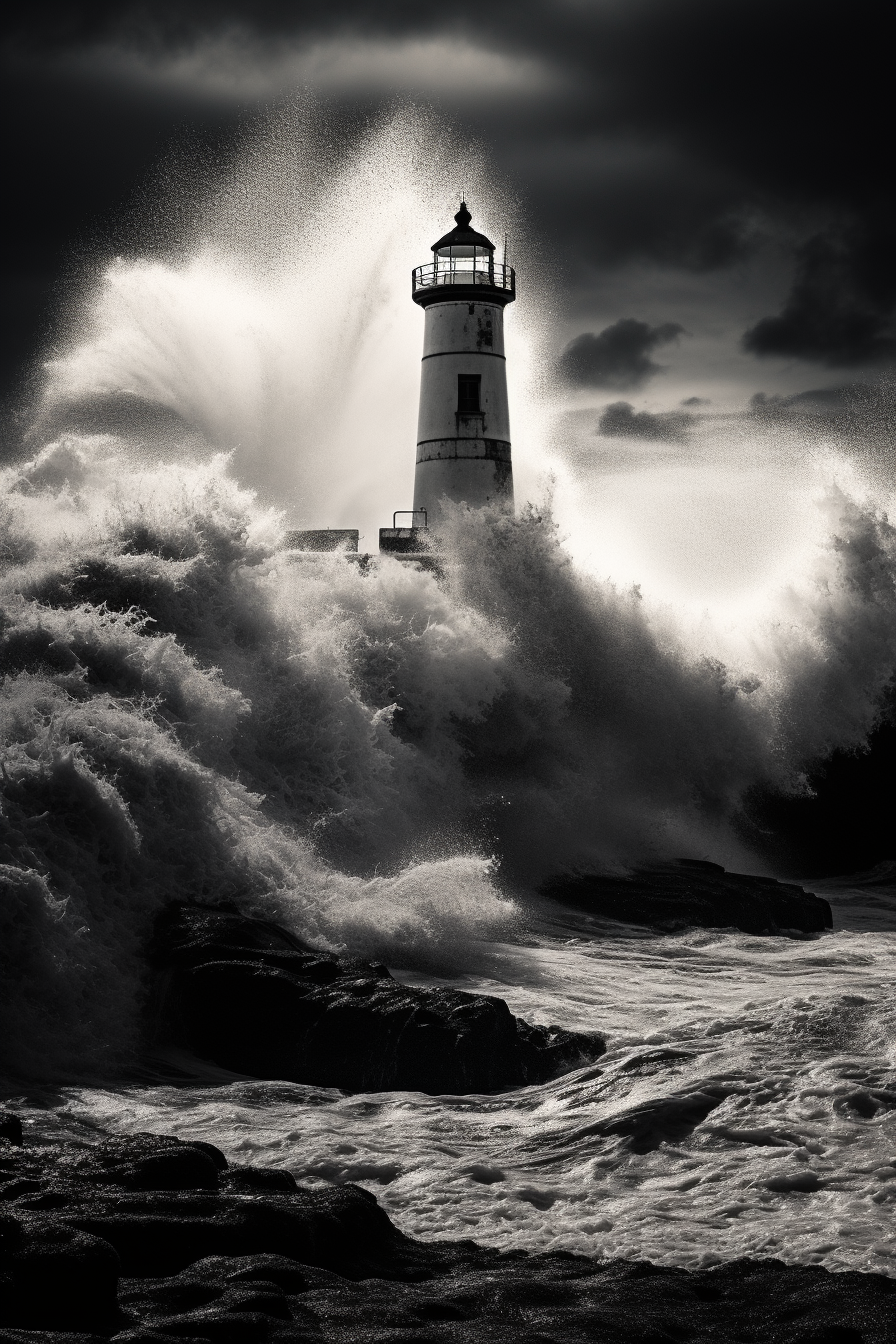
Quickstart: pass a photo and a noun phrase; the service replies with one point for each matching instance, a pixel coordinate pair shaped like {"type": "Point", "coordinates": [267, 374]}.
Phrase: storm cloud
{"type": "Point", "coordinates": [618, 356]}
{"type": "Point", "coordinates": [840, 310]}
{"type": "Point", "coordinates": [865, 411]}
{"type": "Point", "coordinates": [649, 141]}
{"type": "Point", "coordinates": [620, 420]}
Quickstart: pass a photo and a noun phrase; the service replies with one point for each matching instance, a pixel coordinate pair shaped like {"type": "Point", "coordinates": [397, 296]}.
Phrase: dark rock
{"type": "Point", "coordinates": [246, 995]}
{"type": "Point", "coordinates": [180, 1292]}
{"type": "Point", "coordinates": [190, 935]}
{"type": "Point", "coordinates": [693, 892]}
{"type": "Point", "coordinates": [329, 1266]}
{"type": "Point", "coordinates": [58, 1277]}
{"type": "Point", "coordinates": [148, 1162]}
{"type": "Point", "coordinates": [843, 822]}
{"type": "Point", "coordinates": [150, 1334]}
{"type": "Point", "coordinates": [10, 1127]}
{"type": "Point", "coordinates": [13, 1189]}
{"type": "Point", "coordinates": [220, 1326]}
{"type": "Point", "coordinates": [56, 1337]}
{"type": "Point", "coordinates": [277, 1269]}
{"type": "Point", "coordinates": [156, 1234]}
{"type": "Point", "coordinates": [260, 1178]}
{"type": "Point", "coordinates": [214, 1153]}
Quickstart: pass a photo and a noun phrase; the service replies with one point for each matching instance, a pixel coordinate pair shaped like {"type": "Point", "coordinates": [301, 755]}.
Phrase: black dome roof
{"type": "Point", "coordinates": [463, 235]}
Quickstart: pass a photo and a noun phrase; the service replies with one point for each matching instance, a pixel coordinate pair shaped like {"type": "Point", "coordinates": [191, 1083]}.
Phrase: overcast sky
{"type": "Point", "coordinates": [710, 178]}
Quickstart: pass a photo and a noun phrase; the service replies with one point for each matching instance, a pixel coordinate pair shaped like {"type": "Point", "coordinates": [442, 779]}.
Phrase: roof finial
{"type": "Point", "coordinates": [463, 216]}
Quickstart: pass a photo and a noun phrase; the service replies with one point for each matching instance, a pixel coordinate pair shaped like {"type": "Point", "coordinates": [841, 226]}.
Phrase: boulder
{"type": "Point", "coordinates": [693, 892]}
{"type": "Point", "coordinates": [260, 1178]}
{"type": "Point", "coordinates": [10, 1127]}
{"type": "Point", "coordinates": [107, 1219]}
{"type": "Point", "coordinates": [56, 1276]}
{"type": "Point", "coordinates": [246, 995]}
{"type": "Point", "coordinates": [147, 1162]}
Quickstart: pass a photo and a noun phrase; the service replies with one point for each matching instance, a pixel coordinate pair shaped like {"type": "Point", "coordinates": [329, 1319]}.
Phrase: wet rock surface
{"type": "Point", "coordinates": [248, 996]}
{"type": "Point", "coordinates": [145, 1239]}
{"type": "Point", "coordinates": [693, 892]}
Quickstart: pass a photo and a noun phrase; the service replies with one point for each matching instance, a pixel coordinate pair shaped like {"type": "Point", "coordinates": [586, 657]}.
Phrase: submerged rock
{"type": "Point", "coordinates": [144, 1266]}
{"type": "Point", "coordinates": [692, 892]}
{"type": "Point", "coordinates": [10, 1126]}
{"type": "Point", "coordinates": [248, 996]}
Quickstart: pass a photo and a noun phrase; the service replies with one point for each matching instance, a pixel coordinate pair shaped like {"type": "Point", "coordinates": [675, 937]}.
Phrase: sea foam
{"type": "Point", "coordinates": [388, 761]}
{"type": "Point", "coordinates": [376, 757]}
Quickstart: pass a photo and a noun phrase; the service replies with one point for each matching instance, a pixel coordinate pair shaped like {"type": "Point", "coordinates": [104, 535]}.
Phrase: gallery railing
{"type": "Point", "coordinates": [453, 271]}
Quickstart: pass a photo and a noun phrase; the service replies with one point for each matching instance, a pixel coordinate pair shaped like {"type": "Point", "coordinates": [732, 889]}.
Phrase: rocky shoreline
{"type": "Point", "coordinates": [247, 995]}
{"type": "Point", "coordinates": [146, 1239]}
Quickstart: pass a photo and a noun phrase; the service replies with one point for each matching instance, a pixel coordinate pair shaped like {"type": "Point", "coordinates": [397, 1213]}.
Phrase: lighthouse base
{"type": "Point", "coordinates": [474, 481]}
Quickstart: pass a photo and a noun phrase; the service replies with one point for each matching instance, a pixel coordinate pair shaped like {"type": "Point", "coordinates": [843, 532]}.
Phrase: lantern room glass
{"type": "Point", "coordinates": [464, 264]}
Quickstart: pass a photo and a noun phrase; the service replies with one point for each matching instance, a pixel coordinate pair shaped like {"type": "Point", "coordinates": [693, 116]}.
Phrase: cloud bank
{"type": "Point", "coordinates": [724, 157]}
{"type": "Point", "coordinates": [619, 356]}
{"type": "Point", "coordinates": [621, 420]}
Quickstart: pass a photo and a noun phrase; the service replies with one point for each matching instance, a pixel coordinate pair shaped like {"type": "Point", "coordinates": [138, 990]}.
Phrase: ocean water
{"type": "Point", "coordinates": [746, 1104]}
{"type": "Point", "coordinates": [390, 763]}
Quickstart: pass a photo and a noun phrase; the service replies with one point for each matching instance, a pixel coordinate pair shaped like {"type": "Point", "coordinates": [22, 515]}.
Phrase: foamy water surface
{"type": "Point", "coordinates": [746, 1105]}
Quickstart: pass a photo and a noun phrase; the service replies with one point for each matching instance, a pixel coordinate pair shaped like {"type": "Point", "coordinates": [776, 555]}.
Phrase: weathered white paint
{"type": "Point", "coordinates": [462, 457]}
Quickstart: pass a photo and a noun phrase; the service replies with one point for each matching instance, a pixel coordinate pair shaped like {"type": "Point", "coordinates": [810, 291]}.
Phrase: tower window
{"type": "Point", "coordinates": [468, 385]}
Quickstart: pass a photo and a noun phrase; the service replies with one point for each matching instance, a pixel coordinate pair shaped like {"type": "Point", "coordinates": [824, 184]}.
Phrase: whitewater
{"type": "Point", "coordinates": [390, 763]}
{"type": "Point", "coordinates": [746, 1105]}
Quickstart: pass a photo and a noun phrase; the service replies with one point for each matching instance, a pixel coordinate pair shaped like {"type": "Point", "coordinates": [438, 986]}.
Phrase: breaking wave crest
{"type": "Point", "coordinates": [371, 755]}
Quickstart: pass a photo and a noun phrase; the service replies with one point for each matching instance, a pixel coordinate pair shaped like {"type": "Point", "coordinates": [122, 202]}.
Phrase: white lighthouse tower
{"type": "Point", "coordinates": [463, 430]}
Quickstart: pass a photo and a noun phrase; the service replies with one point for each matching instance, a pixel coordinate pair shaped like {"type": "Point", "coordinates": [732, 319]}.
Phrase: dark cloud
{"type": "Point", "coordinates": [841, 308]}
{"type": "Point", "coordinates": [621, 420]}
{"type": "Point", "coordinates": [618, 356]}
{"type": "Point", "coordinates": [822, 402]}
{"type": "Point", "coordinates": [675, 133]}
{"type": "Point", "coordinates": [863, 411]}
{"type": "Point", "coordinates": [76, 159]}
{"type": "Point", "coordinates": [695, 401]}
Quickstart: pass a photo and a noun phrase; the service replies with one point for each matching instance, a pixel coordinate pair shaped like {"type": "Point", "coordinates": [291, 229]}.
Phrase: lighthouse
{"type": "Point", "coordinates": [463, 429]}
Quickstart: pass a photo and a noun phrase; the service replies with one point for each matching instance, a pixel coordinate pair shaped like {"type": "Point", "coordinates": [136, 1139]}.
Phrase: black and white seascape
{"type": "Point", "coordinates": [542, 888]}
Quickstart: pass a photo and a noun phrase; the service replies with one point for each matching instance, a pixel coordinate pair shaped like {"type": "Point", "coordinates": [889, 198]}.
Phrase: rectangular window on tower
{"type": "Point", "coordinates": [468, 385]}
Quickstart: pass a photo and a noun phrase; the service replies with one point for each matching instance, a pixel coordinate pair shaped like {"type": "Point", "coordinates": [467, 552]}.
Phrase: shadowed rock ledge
{"type": "Point", "coordinates": [143, 1239]}
{"type": "Point", "coordinates": [248, 996]}
{"type": "Point", "coordinates": [693, 892]}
